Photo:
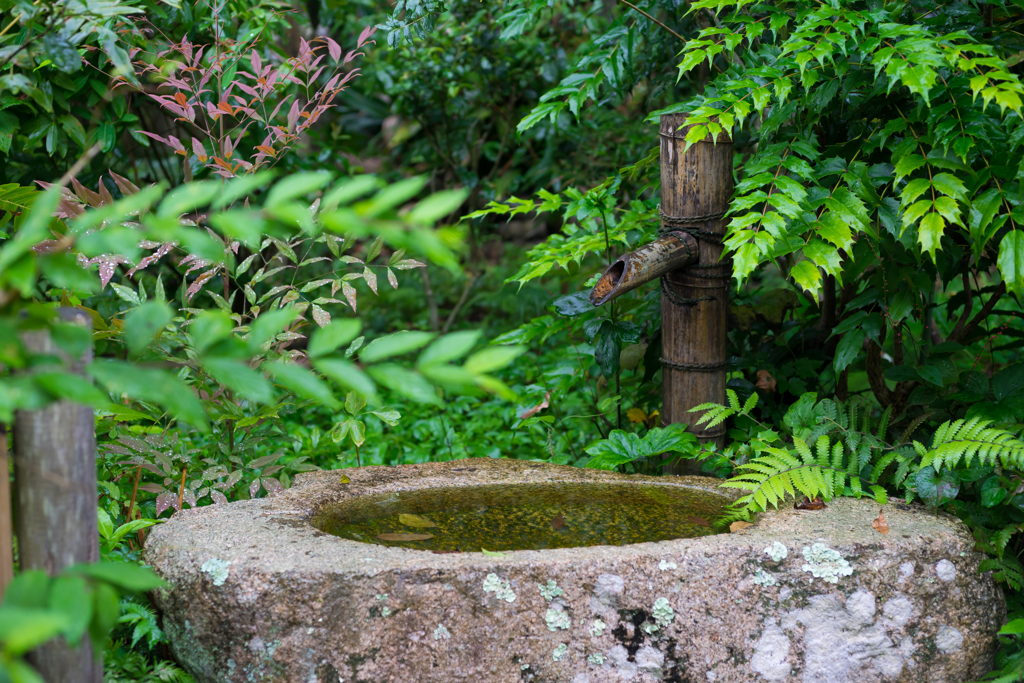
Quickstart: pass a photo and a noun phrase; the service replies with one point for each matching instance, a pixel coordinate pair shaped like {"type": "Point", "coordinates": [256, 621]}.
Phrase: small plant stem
{"type": "Point", "coordinates": [181, 491]}
{"type": "Point", "coordinates": [359, 462]}
{"type": "Point", "coordinates": [618, 389]}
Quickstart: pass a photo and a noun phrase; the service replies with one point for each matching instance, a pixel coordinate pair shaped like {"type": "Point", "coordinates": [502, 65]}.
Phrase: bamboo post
{"type": "Point", "coordinates": [696, 186]}
{"type": "Point", "coordinates": [55, 477]}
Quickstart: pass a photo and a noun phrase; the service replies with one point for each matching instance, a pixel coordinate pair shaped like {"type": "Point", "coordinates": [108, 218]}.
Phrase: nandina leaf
{"type": "Point", "coordinates": [415, 521]}
{"type": "Point", "coordinates": [404, 537]}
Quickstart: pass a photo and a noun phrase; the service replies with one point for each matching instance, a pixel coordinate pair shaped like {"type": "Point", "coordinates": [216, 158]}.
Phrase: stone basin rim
{"type": "Point", "coordinates": [315, 493]}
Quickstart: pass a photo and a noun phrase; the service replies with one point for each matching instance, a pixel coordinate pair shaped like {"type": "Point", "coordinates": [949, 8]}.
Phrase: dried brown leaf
{"type": "Point", "coordinates": [537, 408]}
{"type": "Point", "coordinates": [880, 525]}
{"type": "Point", "coordinates": [738, 526]}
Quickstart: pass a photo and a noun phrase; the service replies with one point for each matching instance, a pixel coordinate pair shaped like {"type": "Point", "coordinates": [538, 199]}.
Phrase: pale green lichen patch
{"type": "Point", "coordinates": [382, 596]}
{"type": "Point", "coordinates": [217, 569]}
{"type": "Point", "coordinates": [441, 633]}
{"type": "Point", "coordinates": [649, 628]}
{"type": "Point", "coordinates": [501, 588]}
{"type": "Point", "coordinates": [560, 652]}
{"type": "Point", "coordinates": [763, 578]}
{"type": "Point", "coordinates": [557, 619]}
{"type": "Point", "coordinates": [662, 612]}
{"type": "Point", "coordinates": [825, 563]}
{"type": "Point", "coordinates": [596, 659]}
{"type": "Point", "coordinates": [550, 591]}
{"type": "Point", "coordinates": [777, 552]}
{"type": "Point", "coordinates": [597, 628]}
{"type": "Point", "coordinates": [665, 565]}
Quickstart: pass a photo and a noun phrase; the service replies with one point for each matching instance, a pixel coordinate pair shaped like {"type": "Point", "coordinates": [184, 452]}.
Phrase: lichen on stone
{"type": "Point", "coordinates": [945, 570]}
{"type": "Point", "coordinates": [777, 552]}
{"type": "Point", "coordinates": [441, 633]}
{"type": "Point", "coordinates": [666, 565]}
{"type": "Point", "coordinates": [217, 569]}
{"type": "Point", "coordinates": [385, 612]}
{"type": "Point", "coordinates": [550, 591]}
{"type": "Point", "coordinates": [825, 563]}
{"type": "Point", "coordinates": [596, 659]}
{"type": "Point", "coordinates": [382, 596]}
{"type": "Point", "coordinates": [560, 652]}
{"type": "Point", "coordinates": [557, 619]}
{"type": "Point", "coordinates": [649, 628]}
{"type": "Point", "coordinates": [763, 578]}
{"type": "Point", "coordinates": [597, 628]}
{"type": "Point", "coordinates": [501, 588]}
{"type": "Point", "coordinates": [662, 612]}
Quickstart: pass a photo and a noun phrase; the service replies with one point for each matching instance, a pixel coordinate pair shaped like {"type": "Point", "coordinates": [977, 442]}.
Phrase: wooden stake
{"type": "Point", "coordinates": [55, 474]}
{"type": "Point", "coordinates": [6, 511]}
{"type": "Point", "coordinates": [695, 183]}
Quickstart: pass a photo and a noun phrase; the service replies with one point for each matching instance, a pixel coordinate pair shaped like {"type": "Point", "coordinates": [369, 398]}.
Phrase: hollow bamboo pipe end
{"type": "Point", "coordinates": [670, 252]}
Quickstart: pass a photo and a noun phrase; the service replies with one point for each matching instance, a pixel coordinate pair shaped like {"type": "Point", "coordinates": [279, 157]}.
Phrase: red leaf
{"type": "Point", "coordinates": [256, 62]}
{"type": "Point", "coordinates": [334, 49]}
{"type": "Point", "coordinates": [365, 35]}
{"type": "Point", "coordinates": [164, 501]}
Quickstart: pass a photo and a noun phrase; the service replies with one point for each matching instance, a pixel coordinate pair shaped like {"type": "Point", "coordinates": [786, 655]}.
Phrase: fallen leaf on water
{"type": "Point", "coordinates": [537, 408]}
{"type": "Point", "coordinates": [880, 525]}
{"type": "Point", "coordinates": [808, 504]}
{"type": "Point", "coordinates": [698, 520]}
{"type": "Point", "coordinates": [492, 553]}
{"type": "Point", "coordinates": [404, 537]}
{"type": "Point", "coordinates": [415, 520]}
{"type": "Point", "coordinates": [737, 526]}
{"type": "Point", "coordinates": [558, 522]}
{"type": "Point", "coordinates": [345, 480]}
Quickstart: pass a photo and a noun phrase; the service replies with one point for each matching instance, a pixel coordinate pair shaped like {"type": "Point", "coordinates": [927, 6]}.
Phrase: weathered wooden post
{"type": "Point", "coordinates": [6, 527]}
{"type": "Point", "coordinates": [696, 186]}
{"type": "Point", "coordinates": [55, 478]}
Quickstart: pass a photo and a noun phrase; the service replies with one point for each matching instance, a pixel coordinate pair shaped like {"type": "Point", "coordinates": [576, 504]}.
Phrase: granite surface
{"type": "Point", "coordinates": [259, 594]}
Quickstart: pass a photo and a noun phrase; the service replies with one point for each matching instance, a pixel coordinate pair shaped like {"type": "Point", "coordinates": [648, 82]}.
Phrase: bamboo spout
{"type": "Point", "coordinates": [670, 252]}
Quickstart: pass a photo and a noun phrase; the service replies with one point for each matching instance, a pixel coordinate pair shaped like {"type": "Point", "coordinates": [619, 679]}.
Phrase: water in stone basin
{"type": "Point", "coordinates": [524, 516]}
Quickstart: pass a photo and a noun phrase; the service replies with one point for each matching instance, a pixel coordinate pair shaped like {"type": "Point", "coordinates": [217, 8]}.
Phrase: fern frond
{"type": "Point", "coordinates": [715, 415]}
{"type": "Point", "coordinates": [881, 497]}
{"type": "Point", "coordinates": [882, 463]}
{"type": "Point", "coordinates": [883, 424]}
{"type": "Point", "coordinates": [751, 402]}
{"type": "Point", "coordinates": [972, 439]}
{"type": "Point", "coordinates": [734, 400]}
{"type": "Point", "coordinates": [1007, 568]}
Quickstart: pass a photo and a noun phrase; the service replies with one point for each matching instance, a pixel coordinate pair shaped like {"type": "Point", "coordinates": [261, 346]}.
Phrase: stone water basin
{"type": "Point", "coordinates": [262, 592]}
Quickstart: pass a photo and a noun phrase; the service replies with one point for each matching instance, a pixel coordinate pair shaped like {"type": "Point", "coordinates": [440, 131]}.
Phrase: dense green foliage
{"type": "Point", "coordinates": [268, 203]}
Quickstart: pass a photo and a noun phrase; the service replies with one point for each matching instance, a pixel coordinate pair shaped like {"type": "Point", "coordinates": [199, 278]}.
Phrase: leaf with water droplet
{"type": "Point", "coordinates": [404, 537]}
{"type": "Point", "coordinates": [415, 520]}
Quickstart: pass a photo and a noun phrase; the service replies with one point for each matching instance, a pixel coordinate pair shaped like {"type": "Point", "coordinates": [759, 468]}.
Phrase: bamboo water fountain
{"type": "Point", "coordinates": [696, 185]}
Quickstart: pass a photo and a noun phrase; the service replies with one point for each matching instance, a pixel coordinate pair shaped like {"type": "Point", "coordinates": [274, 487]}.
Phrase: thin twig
{"type": "Point", "coordinates": [627, 2]}
{"type": "Point", "coordinates": [458, 306]}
